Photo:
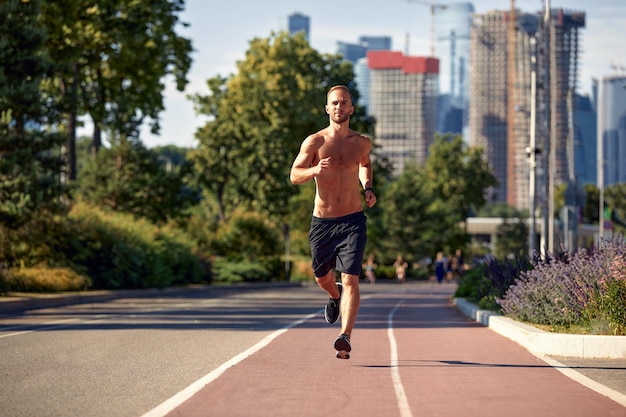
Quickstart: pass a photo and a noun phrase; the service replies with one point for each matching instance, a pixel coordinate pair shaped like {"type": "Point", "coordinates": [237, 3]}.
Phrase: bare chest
{"type": "Point", "coordinates": [342, 153]}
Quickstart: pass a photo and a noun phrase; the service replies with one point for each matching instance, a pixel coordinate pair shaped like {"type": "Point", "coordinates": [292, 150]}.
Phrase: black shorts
{"type": "Point", "coordinates": [338, 243]}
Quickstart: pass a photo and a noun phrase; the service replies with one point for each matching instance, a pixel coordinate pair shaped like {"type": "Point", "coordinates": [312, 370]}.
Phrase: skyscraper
{"type": "Point", "coordinates": [612, 129]}
{"type": "Point", "coordinates": [500, 107]}
{"type": "Point", "coordinates": [452, 47]}
{"type": "Point", "coordinates": [362, 79]}
{"type": "Point", "coordinates": [357, 54]}
{"type": "Point", "coordinates": [488, 89]}
{"type": "Point", "coordinates": [585, 144]}
{"type": "Point", "coordinates": [354, 51]}
{"type": "Point", "coordinates": [298, 22]}
{"type": "Point", "coordinates": [403, 99]}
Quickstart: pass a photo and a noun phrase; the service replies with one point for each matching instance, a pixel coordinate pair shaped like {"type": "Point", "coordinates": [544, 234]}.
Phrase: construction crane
{"type": "Point", "coordinates": [433, 7]}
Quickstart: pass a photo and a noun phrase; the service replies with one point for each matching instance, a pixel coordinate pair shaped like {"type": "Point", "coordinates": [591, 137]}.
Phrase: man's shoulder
{"type": "Point", "coordinates": [362, 139]}
{"type": "Point", "coordinates": [359, 136]}
{"type": "Point", "coordinates": [315, 139]}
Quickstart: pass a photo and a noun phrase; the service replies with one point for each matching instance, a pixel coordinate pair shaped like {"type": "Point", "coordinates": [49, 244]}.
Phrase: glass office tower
{"type": "Point", "coordinates": [612, 129]}
{"type": "Point", "coordinates": [452, 47]}
{"type": "Point", "coordinates": [298, 22]}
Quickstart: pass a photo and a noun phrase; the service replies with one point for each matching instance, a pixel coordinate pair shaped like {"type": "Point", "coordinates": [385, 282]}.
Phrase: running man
{"type": "Point", "coordinates": [337, 158]}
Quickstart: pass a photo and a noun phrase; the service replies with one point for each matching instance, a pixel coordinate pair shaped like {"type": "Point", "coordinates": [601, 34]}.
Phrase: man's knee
{"type": "Point", "coordinates": [350, 281]}
{"type": "Point", "coordinates": [329, 277]}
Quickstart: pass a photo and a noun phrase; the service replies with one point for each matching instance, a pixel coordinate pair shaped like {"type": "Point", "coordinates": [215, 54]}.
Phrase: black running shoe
{"type": "Point", "coordinates": [343, 347]}
{"type": "Point", "coordinates": [332, 309]}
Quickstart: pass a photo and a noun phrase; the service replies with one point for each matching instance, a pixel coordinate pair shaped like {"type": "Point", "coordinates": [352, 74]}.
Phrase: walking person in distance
{"type": "Point", "coordinates": [338, 159]}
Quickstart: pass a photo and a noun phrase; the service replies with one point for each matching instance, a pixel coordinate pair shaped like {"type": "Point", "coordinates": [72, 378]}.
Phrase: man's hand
{"type": "Point", "coordinates": [370, 198]}
{"type": "Point", "coordinates": [322, 165]}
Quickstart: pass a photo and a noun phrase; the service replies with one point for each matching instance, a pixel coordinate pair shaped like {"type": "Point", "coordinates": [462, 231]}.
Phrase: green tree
{"type": "Point", "coordinates": [260, 116]}
{"type": "Point", "coordinates": [615, 196]}
{"type": "Point", "coordinates": [458, 175]}
{"type": "Point", "coordinates": [425, 205]}
{"type": "Point", "coordinates": [559, 198]}
{"type": "Point", "coordinates": [30, 164]}
{"type": "Point", "coordinates": [591, 214]}
{"type": "Point", "coordinates": [112, 58]}
{"type": "Point", "coordinates": [417, 222]}
{"type": "Point", "coordinates": [500, 209]}
{"type": "Point", "coordinates": [130, 178]}
{"type": "Point", "coordinates": [512, 238]}
{"type": "Point", "coordinates": [512, 233]}
{"type": "Point", "coordinates": [405, 216]}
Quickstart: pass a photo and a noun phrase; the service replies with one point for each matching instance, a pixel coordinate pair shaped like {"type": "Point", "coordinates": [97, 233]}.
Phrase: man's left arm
{"type": "Point", "coordinates": [365, 176]}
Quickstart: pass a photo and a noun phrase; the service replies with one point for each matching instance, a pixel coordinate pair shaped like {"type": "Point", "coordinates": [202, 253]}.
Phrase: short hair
{"type": "Point", "coordinates": [339, 87]}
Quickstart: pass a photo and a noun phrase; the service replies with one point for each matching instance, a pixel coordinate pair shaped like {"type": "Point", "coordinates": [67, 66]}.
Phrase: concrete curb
{"type": "Point", "coordinates": [545, 343]}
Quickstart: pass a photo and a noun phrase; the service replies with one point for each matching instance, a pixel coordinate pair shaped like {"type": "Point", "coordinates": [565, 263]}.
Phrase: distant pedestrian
{"type": "Point", "coordinates": [370, 270]}
{"type": "Point", "coordinates": [459, 263]}
{"type": "Point", "coordinates": [401, 266]}
{"type": "Point", "coordinates": [440, 267]}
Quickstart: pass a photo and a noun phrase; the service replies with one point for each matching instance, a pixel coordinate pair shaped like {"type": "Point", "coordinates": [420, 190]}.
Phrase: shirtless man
{"type": "Point", "coordinates": [338, 159]}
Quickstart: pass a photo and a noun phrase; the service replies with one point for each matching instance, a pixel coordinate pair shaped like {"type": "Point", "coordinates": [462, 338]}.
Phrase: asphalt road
{"type": "Point", "coordinates": [125, 356]}
{"type": "Point", "coordinates": [266, 351]}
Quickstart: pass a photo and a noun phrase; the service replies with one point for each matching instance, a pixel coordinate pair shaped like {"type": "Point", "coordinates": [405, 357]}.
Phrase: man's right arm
{"type": "Point", "coordinates": [301, 170]}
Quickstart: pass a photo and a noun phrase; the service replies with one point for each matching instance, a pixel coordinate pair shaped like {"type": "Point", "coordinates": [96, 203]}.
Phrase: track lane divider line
{"type": "Point", "coordinates": [403, 402]}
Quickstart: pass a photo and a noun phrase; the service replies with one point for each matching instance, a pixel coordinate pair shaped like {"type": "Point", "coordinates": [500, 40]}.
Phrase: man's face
{"type": "Point", "coordinates": [339, 106]}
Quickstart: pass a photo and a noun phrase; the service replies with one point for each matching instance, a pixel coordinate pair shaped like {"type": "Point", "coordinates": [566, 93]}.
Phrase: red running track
{"type": "Point", "coordinates": [414, 354]}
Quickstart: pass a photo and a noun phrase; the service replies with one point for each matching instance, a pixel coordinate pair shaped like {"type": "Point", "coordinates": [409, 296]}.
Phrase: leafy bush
{"type": "Point", "coordinates": [486, 283]}
{"type": "Point", "coordinates": [473, 285]}
{"type": "Point", "coordinates": [301, 269]}
{"type": "Point", "coordinates": [44, 279]}
{"type": "Point", "coordinates": [385, 272]}
{"type": "Point", "coordinates": [587, 287]}
{"type": "Point", "coordinates": [4, 284]}
{"type": "Point", "coordinates": [613, 305]}
{"type": "Point", "coordinates": [608, 306]}
{"type": "Point", "coordinates": [119, 251]}
{"type": "Point", "coordinates": [115, 250]}
{"type": "Point", "coordinates": [419, 274]}
{"type": "Point", "coordinates": [38, 241]}
{"type": "Point", "coordinates": [263, 270]}
{"type": "Point", "coordinates": [247, 236]}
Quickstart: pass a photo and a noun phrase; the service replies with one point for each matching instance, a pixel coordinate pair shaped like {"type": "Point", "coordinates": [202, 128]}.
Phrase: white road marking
{"type": "Point", "coordinates": [168, 405]}
{"type": "Point", "coordinates": [53, 324]}
{"type": "Point", "coordinates": [616, 396]}
{"type": "Point", "coordinates": [178, 399]}
{"type": "Point", "coordinates": [403, 403]}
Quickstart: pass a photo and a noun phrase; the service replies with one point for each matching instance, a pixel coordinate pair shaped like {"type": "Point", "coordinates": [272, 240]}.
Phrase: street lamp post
{"type": "Point", "coordinates": [532, 147]}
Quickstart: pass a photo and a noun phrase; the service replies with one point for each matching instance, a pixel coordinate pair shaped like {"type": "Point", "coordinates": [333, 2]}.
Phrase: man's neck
{"type": "Point", "coordinates": [339, 129]}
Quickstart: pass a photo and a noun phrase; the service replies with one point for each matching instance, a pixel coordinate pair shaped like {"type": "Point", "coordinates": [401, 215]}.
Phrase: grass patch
{"type": "Point", "coordinates": [572, 329]}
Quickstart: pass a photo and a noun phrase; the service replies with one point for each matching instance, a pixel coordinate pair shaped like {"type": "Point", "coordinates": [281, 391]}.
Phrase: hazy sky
{"type": "Point", "coordinates": [221, 32]}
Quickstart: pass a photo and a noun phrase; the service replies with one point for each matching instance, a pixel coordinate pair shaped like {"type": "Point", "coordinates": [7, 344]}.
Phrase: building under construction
{"type": "Point", "coordinates": [503, 44]}
{"type": "Point", "coordinates": [403, 99]}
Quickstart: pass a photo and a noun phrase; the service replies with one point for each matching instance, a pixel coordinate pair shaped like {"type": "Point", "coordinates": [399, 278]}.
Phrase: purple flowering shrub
{"type": "Point", "coordinates": [588, 287]}
{"type": "Point", "coordinates": [612, 296]}
{"type": "Point", "coordinates": [486, 283]}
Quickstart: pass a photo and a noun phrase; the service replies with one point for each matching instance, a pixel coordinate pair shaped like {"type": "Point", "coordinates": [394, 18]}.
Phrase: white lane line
{"type": "Point", "coordinates": [168, 405]}
{"type": "Point", "coordinates": [616, 396]}
{"type": "Point", "coordinates": [403, 402]}
{"type": "Point", "coordinates": [49, 326]}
